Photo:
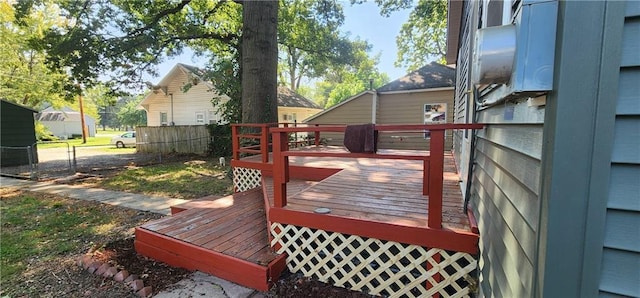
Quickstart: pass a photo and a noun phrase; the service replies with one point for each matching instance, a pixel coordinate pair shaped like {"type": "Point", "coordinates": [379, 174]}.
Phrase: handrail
{"type": "Point", "coordinates": [433, 165]}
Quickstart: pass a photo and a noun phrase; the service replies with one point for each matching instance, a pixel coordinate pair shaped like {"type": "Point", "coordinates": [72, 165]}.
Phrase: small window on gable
{"type": "Point", "coordinates": [164, 119]}
{"type": "Point", "coordinates": [199, 117]}
{"type": "Point", "coordinates": [213, 117]}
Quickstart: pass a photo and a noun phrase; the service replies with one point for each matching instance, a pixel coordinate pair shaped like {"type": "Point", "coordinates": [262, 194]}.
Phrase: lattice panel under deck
{"type": "Point", "coordinates": [374, 266]}
{"type": "Point", "coordinates": [245, 179]}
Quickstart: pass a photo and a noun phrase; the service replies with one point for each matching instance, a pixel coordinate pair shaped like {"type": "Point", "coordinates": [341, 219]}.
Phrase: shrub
{"type": "Point", "coordinates": [220, 144]}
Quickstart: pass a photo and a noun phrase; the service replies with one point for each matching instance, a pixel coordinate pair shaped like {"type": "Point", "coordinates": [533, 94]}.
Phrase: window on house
{"type": "Point", "coordinates": [213, 117]}
{"type": "Point", "coordinates": [434, 113]}
{"type": "Point", "coordinates": [199, 117]}
{"type": "Point", "coordinates": [164, 119]}
{"type": "Point", "coordinates": [294, 117]}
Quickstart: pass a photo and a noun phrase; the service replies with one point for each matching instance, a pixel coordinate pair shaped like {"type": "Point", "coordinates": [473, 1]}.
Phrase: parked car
{"type": "Point", "coordinates": [126, 139]}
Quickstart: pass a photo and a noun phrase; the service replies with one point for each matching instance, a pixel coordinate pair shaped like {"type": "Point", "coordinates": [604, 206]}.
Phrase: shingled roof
{"type": "Point", "coordinates": [288, 98]}
{"type": "Point", "coordinates": [432, 75]}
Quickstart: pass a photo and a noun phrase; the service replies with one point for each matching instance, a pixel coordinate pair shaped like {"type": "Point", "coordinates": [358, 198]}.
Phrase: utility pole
{"type": "Point", "coordinates": [84, 130]}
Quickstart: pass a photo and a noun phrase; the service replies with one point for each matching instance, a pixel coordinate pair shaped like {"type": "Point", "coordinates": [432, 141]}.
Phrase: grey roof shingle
{"type": "Point", "coordinates": [432, 75]}
{"type": "Point", "coordinates": [288, 98]}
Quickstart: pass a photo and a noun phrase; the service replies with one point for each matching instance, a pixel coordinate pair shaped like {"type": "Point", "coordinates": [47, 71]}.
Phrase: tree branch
{"type": "Point", "coordinates": [159, 16]}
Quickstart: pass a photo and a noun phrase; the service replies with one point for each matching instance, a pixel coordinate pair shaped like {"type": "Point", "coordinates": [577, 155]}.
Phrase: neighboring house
{"type": "Point", "coordinates": [66, 123]}
{"type": "Point", "coordinates": [17, 131]}
{"type": "Point", "coordinates": [555, 178]}
{"type": "Point", "coordinates": [168, 104]}
{"type": "Point", "coordinates": [422, 96]}
{"type": "Point", "coordinates": [293, 107]}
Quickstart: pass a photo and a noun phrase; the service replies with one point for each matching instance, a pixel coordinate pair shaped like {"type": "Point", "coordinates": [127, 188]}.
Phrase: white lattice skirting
{"type": "Point", "coordinates": [245, 179]}
{"type": "Point", "coordinates": [375, 266]}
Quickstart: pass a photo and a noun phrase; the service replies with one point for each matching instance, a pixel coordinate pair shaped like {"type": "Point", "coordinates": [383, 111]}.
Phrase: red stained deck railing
{"type": "Point", "coordinates": [433, 163]}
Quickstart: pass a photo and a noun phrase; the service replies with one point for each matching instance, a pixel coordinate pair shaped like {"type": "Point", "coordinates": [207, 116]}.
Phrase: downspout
{"type": "Point", "coordinates": [374, 107]}
{"type": "Point", "coordinates": [374, 103]}
{"type": "Point", "coordinates": [172, 123]}
{"type": "Point", "coordinates": [467, 193]}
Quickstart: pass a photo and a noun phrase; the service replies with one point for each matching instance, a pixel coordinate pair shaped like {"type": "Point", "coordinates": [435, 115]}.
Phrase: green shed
{"type": "Point", "coordinates": [17, 129]}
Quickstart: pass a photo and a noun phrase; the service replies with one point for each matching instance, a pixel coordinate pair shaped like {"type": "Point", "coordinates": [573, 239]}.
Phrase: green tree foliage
{"type": "Point", "coordinates": [344, 81]}
{"type": "Point", "coordinates": [97, 101]}
{"type": "Point", "coordinates": [24, 76]}
{"type": "Point", "coordinates": [422, 37]}
{"type": "Point", "coordinates": [310, 40]}
{"type": "Point", "coordinates": [129, 115]}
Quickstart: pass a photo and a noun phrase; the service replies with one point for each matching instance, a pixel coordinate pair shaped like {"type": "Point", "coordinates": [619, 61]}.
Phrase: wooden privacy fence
{"type": "Point", "coordinates": [173, 139]}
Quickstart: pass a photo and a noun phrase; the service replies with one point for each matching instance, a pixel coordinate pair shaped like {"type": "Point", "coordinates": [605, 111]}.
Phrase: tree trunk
{"type": "Point", "coordinates": [259, 61]}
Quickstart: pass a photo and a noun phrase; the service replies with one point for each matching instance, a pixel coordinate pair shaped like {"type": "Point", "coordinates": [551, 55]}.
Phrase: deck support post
{"type": "Point", "coordinates": [316, 136]}
{"type": "Point", "coordinates": [235, 142]}
{"type": "Point", "coordinates": [280, 169]}
{"type": "Point", "coordinates": [264, 143]}
{"type": "Point", "coordinates": [425, 176]}
{"type": "Point", "coordinates": [436, 277]}
{"type": "Point", "coordinates": [436, 168]}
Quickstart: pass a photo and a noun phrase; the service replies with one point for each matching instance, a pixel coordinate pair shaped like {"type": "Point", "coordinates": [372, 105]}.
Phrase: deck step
{"type": "Point", "coordinates": [204, 202]}
{"type": "Point", "coordinates": [226, 237]}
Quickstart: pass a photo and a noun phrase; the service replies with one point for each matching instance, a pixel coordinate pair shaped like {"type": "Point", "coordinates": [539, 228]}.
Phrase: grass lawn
{"type": "Point", "coordinates": [185, 180]}
{"type": "Point", "coordinates": [101, 138]}
{"type": "Point", "coordinates": [92, 141]}
{"type": "Point", "coordinates": [38, 227]}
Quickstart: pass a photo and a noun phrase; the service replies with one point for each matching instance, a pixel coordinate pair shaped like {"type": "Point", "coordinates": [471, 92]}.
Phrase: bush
{"type": "Point", "coordinates": [43, 133]}
{"type": "Point", "coordinates": [220, 144]}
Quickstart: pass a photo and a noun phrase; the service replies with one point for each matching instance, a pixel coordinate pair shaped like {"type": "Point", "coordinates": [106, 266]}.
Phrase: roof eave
{"type": "Point", "coordinates": [338, 105]}
{"type": "Point", "coordinates": [454, 18]}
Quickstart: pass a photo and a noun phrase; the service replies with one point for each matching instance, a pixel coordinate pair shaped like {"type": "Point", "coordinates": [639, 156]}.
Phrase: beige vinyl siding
{"type": "Point", "coordinates": [505, 186]}
{"type": "Point", "coordinates": [408, 108]}
{"type": "Point", "coordinates": [196, 99]}
{"type": "Point", "coordinates": [301, 113]}
{"type": "Point", "coordinates": [187, 104]}
{"type": "Point", "coordinates": [620, 273]}
{"type": "Point", "coordinates": [356, 111]}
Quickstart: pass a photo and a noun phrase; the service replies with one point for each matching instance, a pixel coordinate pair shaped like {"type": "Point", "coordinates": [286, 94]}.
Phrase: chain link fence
{"type": "Point", "coordinates": [37, 163]}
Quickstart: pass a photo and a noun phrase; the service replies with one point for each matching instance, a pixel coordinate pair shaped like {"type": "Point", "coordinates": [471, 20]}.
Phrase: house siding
{"type": "Point", "coordinates": [356, 111]}
{"type": "Point", "coordinates": [408, 108]}
{"type": "Point", "coordinates": [392, 108]}
{"type": "Point", "coordinates": [505, 185]}
{"type": "Point", "coordinates": [185, 104]}
{"type": "Point", "coordinates": [620, 272]}
{"type": "Point", "coordinates": [301, 113]}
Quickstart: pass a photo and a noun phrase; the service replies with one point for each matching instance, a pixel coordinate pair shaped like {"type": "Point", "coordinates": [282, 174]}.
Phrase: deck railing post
{"type": "Point", "coordinates": [264, 143]}
{"type": "Point", "coordinates": [280, 169]}
{"type": "Point", "coordinates": [436, 167]}
{"type": "Point", "coordinates": [235, 142]}
{"type": "Point", "coordinates": [316, 136]}
{"type": "Point", "coordinates": [425, 176]}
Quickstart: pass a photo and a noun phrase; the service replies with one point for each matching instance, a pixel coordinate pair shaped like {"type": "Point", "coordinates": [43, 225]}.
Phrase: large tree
{"type": "Point", "coordinates": [259, 62]}
{"type": "Point", "coordinates": [130, 37]}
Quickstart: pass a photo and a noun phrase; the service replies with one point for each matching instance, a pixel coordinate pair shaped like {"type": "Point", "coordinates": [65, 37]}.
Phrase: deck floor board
{"type": "Point", "coordinates": [234, 225]}
{"type": "Point", "coordinates": [388, 191]}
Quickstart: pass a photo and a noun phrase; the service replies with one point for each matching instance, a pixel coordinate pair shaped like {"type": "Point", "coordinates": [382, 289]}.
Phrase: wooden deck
{"type": "Point", "coordinates": [386, 191]}
{"type": "Point", "coordinates": [378, 198]}
{"type": "Point", "coordinates": [226, 237]}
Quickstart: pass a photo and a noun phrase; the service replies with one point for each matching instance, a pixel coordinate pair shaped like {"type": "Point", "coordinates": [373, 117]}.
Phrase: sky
{"type": "Point", "coordinates": [362, 20]}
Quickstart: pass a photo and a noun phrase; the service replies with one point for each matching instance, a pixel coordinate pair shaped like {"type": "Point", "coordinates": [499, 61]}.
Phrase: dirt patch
{"type": "Point", "coordinates": [121, 254]}
{"type": "Point", "coordinates": [296, 285]}
{"type": "Point", "coordinates": [61, 276]}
